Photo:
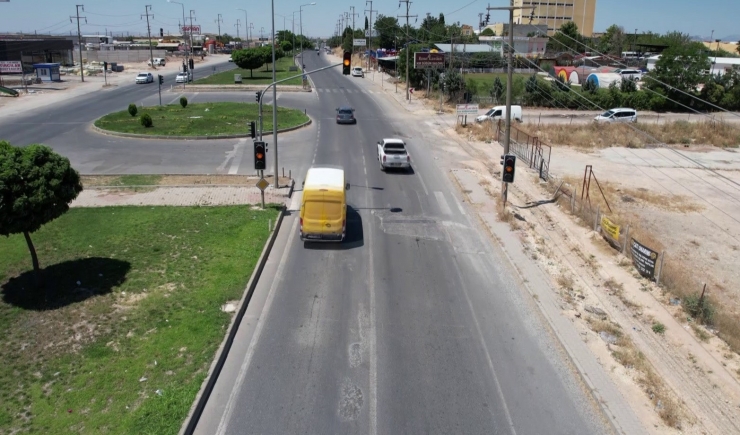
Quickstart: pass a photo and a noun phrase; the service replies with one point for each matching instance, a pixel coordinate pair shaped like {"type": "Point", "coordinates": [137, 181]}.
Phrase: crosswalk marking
{"type": "Point", "coordinates": [444, 207]}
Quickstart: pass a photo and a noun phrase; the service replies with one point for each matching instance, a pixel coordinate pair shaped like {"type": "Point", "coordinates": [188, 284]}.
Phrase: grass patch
{"type": "Point", "coordinates": [260, 76]}
{"type": "Point", "coordinates": [200, 119]}
{"type": "Point", "coordinates": [658, 328]}
{"type": "Point", "coordinates": [700, 333]}
{"type": "Point", "coordinates": [133, 316]}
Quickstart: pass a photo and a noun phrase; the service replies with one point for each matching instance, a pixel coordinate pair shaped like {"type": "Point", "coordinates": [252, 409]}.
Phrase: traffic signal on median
{"type": "Point", "coordinates": [509, 168]}
{"type": "Point", "coordinates": [260, 161]}
{"type": "Point", "coordinates": [252, 129]}
{"type": "Point", "coordinates": [161, 79]}
{"type": "Point", "coordinates": [192, 63]}
{"type": "Point", "coordinates": [346, 62]}
{"type": "Point", "coordinates": [258, 94]}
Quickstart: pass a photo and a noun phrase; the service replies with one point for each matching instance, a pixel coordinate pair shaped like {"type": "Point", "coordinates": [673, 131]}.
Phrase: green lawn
{"type": "Point", "coordinates": [484, 80]}
{"type": "Point", "coordinates": [200, 119]}
{"type": "Point", "coordinates": [260, 76]}
{"type": "Point", "coordinates": [133, 316]}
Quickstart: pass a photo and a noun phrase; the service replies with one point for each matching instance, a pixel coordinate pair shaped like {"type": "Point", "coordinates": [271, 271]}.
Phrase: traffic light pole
{"type": "Point", "coordinates": [159, 88]}
{"type": "Point", "coordinates": [274, 110]}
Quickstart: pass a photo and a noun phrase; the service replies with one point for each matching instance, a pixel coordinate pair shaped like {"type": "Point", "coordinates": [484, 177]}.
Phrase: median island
{"type": "Point", "coordinates": [225, 119]}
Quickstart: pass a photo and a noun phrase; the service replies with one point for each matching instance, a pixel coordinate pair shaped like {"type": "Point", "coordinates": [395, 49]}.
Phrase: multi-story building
{"type": "Point", "coordinates": [555, 13]}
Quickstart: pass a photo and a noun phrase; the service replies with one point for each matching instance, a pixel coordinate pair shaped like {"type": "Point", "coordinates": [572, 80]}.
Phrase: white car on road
{"type": "Point", "coordinates": [144, 77]}
{"type": "Point", "coordinates": [392, 154]}
{"type": "Point", "coordinates": [182, 77]}
{"type": "Point", "coordinates": [357, 72]}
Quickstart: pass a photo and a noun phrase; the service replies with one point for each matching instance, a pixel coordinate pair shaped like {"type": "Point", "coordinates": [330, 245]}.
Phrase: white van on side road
{"type": "Point", "coordinates": [158, 61]}
{"type": "Point", "coordinates": [499, 112]}
{"type": "Point", "coordinates": [620, 114]}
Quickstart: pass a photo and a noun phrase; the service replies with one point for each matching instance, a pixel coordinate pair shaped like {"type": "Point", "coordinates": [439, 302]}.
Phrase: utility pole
{"type": "Point", "coordinates": [274, 102]}
{"type": "Point", "coordinates": [249, 33]}
{"type": "Point", "coordinates": [147, 8]}
{"type": "Point", "coordinates": [246, 25]}
{"type": "Point", "coordinates": [370, 35]}
{"type": "Point", "coordinates": [79, 38]}
{"type": "Point", "coordinates": [192, 50]}
{"type": "Point", "coordinates": [509, 80]}
{"type": "Point", "coordinates": [237, 28]}
{"type": "Point", "coordinates": [219, 20]}
{"type": "Point", "coordinates": [408, 46]}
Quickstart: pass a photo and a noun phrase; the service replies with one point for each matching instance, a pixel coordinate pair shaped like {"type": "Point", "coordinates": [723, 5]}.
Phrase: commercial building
{"type": "Point", "coordinates": [35, 49]}
{"type": "Point", "coordinates": [555, 13]}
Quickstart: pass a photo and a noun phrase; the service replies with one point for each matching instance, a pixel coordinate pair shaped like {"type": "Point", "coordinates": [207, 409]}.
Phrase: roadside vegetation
{"type": "Point", "coordinates": [255, 68]}
{"type": "Point", "coordinates": [199, 119]}
{"type": "Point", "coordinates": [132, 319]}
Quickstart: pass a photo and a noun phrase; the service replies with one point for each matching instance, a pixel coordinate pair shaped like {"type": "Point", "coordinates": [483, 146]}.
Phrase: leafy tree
{"type": "Point", "coordinates": [286, 46]}
{"type": "Point", "coordinates": [132, 109]}
{"type": "Point", "coordinates": [613, 41]}
{"type": "Point", "coordinates": [590, 87]}
{"type": "Point", "coordinates": [567, 39]}
{"type": "Point", "coordinates": [36, 187]}
{"type": "Point", "coordinates": [249, 58]}
{"type": "Point", "coordinates": [488, 32]}
{"type": "Point", "coordinates": [416, 76]}
{"type": "Point", "coordinates": [387, 28]}
{"type": "Point", "coordinates": [680, 69]}
{"type": "Point", "coordinates": [454, 83]}
{"type": "Point", "coordinates": [497, 90]}
{"type": "Point", "coordinates": [628, 85]}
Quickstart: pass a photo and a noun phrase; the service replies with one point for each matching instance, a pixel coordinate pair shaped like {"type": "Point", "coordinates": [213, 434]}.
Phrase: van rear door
{"type": "Point", "coordinates": [323, 213]}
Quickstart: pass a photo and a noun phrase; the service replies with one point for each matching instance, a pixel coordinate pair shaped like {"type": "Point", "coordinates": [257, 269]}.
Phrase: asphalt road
{"type": "Point", "coordinates": [413, 325]}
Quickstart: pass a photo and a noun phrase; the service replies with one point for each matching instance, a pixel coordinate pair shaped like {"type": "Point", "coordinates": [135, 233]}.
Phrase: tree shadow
{"type": "Point", "coordinates": [96, 276]}
{"type": "Point", "coordinates": [354, 238]}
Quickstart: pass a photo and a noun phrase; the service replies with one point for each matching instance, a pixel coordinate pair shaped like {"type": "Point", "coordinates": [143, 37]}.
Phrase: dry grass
{"type": "Point", "coordinates": [700, 333]}
{"type": "Point", "coordinates": [627, 355]}
{"type": "Point", "coordinates": [592, 135]}
{"type": "Point", "coordinates": [565, 281]}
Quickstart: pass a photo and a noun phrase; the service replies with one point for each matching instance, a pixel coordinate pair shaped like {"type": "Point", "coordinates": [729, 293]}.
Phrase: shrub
{"type": "Point", "coordinates": [658, 328]}
{"type": "Point", "coordinates": [146, 120]}
{"type": "Point", "coordinates": [699, 308]}
{"type": "Point", "coordinates": [183, 102]}
{"type": "Point", "coordinates": [132, 109]}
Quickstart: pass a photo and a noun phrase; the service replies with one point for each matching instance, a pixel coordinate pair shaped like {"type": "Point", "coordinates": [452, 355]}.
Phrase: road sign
{"type": "Point", "coordinates": [359, 42]}
{"type": "Point", "coordinates": [429, 60]}
{"type": "Point", "coordinates": [10, 66]}
{"type": "Point", "coordinates": [193, 29]}
{"type": "Point", "coordinates": [262, 184]}
{"type": "Point", "coordinates": [467, 109]}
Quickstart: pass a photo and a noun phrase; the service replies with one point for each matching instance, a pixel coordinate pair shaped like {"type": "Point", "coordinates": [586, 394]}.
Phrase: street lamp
{"type": "Point", "coordinates": [300, 16]}
{"type": "Point", "coordinates": [183, 22]}
{"type": "Point", "coordinates": [715, 54]}
{"type": "Point", "coordinates": [292, 30]}
{"type": "Point", "coordinates": [246, 25]}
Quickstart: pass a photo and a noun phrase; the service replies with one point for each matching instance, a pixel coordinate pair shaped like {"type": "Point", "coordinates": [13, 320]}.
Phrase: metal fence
{"type": "Point", "coordinates": [528, 148]}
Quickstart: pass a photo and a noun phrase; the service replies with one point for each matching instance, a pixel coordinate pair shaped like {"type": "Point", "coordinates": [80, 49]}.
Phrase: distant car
{"type": "Point", "coordinates": [158, 61]}
{"type": "Point", "coordinates": [392, 154]}
{"type": "Point", "coordinates": [144, 77]}
{"type": "Point", "coordinates": [357, 72]}
{"type": "Point", "coordinates": [346, 115]}
{"type": "Point", "coordinates": [499, 112]}
{"type": "Point", "coordinates": [634, 74]}
{"type": "Point", "coordinates": [182, 77]}
{"type": "Point", "coordinates": [621, 114]}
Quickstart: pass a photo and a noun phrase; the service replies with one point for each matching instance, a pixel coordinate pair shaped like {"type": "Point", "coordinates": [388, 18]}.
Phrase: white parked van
{"type": "Point", "coordinates": [499, 112]}
{"type": "Point", "coordinates": [158, 61]}
{"type": "Point", "coordinates": [621, 114]}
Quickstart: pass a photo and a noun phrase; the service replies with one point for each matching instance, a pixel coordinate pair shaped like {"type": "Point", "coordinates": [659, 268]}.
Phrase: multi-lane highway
{"type": "Point", "coordinates": [413, 325]}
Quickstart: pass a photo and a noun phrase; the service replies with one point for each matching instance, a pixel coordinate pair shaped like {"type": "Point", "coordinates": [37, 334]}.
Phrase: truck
{"type": "Point", "coordinates": [392, 153]}
{"type": "Point", "coordinates": [323, 214]}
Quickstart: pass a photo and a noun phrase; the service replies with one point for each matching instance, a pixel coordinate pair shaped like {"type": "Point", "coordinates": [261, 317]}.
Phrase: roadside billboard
{"type": "Point", "coordinates": [191, 29]}
{"type": "Point", "coordinates": [644, 259]}
{"type": "Point", "coordinates": [467, 109]}
{"type": "Point", "coordinates": [10, 66]}
{"type": "Point", "coordinates": [429, 61]}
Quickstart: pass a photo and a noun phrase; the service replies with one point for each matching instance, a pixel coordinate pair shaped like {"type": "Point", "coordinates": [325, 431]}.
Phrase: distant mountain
{"type": "Point", "coordinates": [731, 38]}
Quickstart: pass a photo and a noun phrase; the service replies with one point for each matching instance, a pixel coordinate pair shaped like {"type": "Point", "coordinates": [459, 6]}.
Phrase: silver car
{"type": "Point", "coordinates": [144, 77]}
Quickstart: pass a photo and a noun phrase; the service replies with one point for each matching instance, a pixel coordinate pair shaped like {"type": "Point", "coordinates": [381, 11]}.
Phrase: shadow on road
{"type": "Point", "coordinates": [354, 237]}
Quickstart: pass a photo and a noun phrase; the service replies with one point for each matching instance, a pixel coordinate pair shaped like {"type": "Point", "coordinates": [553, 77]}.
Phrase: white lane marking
{"type": "Point", "coordinates": [485, 348]}
{"type": "Point", "coordinates": [255, 337]}
{"type": "Point", "coordinates": [460, 207]}
{"type": "Point", "coordinates": [423, 185]}
{"type": "Point", "coordinates": [238, 154]}
{"type": "Point", "coordinates": [175, 99]}
{"type": "Point", "coordinates": [444, 207]}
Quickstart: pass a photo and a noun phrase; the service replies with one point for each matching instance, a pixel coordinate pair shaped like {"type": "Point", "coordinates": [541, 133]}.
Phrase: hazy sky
{"type": "Point", "coordinates": [44, 16]}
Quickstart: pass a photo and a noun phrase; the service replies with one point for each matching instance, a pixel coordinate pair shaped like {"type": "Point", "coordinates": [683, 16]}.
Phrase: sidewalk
{"type": "Point", "coordinates": [179, 196]}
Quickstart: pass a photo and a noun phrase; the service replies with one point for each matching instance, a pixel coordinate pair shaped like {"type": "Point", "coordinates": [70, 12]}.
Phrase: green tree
{"type": "Point", "coordinates": [613, 41]}
{"type": "Point", "coordinates": [488, 32]}
{"type": "Point", "coordinates": [286, 46]}
{"type": "Point", "coordinates": [680, 69]}
{"type": "Point", "coordinates": [567, 38]}
{"type": "Point", "coordinates": [249, 58]}
{"type": "Point", "coordinates": [387, 28]}
{"type": "Point", "coordinates": [497, 90]}
{"type": "Point", "coordinates": [417, 76]}
{"type": "Point", "coordinates": [454, 83]}
{"type": "Point", "coordinates": [628, 85]}
{"type": "Point", "coordinates": [36, 187]}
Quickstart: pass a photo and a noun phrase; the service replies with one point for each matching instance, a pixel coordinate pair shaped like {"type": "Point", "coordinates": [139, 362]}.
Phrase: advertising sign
{"type": "Point", "coordinates": [429, 60]}
{"type": "Point", "coordinates": [644, 259]}
{"type": "Point", "coordinates": [359, 42]}
{"type": "Point", "coordinates": [10, 66]}
{"type": "Point", "coordinates": [467, 109]}
{"type": "Point", "coordinates": [193, 29]}
{"type": "Point", "coordinates": [610, 228]}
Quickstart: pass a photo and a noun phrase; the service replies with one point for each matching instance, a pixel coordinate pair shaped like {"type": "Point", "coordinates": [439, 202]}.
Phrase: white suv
{"type": "Point", "coordinates": [621, 114]}
{"type": "Point", "coordinates": [144, 77]}
{"type": "Point", "coordinates": [357, 72]}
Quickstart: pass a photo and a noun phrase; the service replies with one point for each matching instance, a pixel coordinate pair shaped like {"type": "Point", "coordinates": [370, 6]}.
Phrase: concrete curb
{"type": "Point", "coordinates": [237, 88]}
{"type": "Point", "coordinates": [99, 130]}
{"type": "Point", "coordinates": [196, 410]}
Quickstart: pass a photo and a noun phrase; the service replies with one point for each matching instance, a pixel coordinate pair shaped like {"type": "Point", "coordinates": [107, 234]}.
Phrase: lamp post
{"type": "Point", "coordinates": [715, 54]}
{"type": "Point", "coordinates": [246, 25]}
{"type": "Point", "coordinates": [192, 51]}
{"type": "Point", "coordinates": [300, 16]}
{"type": "Point", "coordinates": [183, 26]}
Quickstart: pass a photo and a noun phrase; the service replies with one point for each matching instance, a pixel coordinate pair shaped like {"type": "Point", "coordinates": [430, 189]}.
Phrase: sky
{"type": "Point", "coordinates": [44, 16]}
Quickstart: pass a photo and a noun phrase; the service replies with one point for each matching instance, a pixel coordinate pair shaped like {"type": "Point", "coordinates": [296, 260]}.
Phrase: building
{"type": "Point", "coordinates": [556, 13]}
{"type": "Point", "coordinates": [520, 30]}
{"type": "Point", "coordinates": [467, 30]}
{"type": "Point", "coordinates": [523, 45]}
{"type": "Point", "coordinates": [33, 49]}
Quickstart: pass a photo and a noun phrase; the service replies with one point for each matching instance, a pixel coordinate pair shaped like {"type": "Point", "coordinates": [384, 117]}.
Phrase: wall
{"type": "Point", "coordinates": [119, 56]}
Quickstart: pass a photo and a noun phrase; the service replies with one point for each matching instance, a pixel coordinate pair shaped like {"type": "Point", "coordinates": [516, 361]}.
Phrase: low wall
{"type": "Point", "coordinates": [120, 56]}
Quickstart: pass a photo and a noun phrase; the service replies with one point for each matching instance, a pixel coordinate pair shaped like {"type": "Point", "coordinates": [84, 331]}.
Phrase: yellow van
{"type": "Point", "coordinates": [324, 205]}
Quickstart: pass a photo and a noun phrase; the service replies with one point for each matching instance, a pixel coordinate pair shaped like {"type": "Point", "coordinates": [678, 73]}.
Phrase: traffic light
{"type": "Point", "coordinates": [184, 67]}
{"type": "Point", "coordinates": [346, 62]}
{"type": "Point", "coordinates": [509, 163]}
{"type": "Point", "coordinates": [105, 66]}
{"type": "Point", "coordinates": [192, 64]}
{"type": "Point", "coordinates": [259, 156]}
{"type": "Point", "coordinates": [161, 79]}
{"type": "Point", "coordinates": [252, 129]}
{"type": "Point", "coordinates": [161, 32]}
{"type": "Point", "coordinates": [258, 94]}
